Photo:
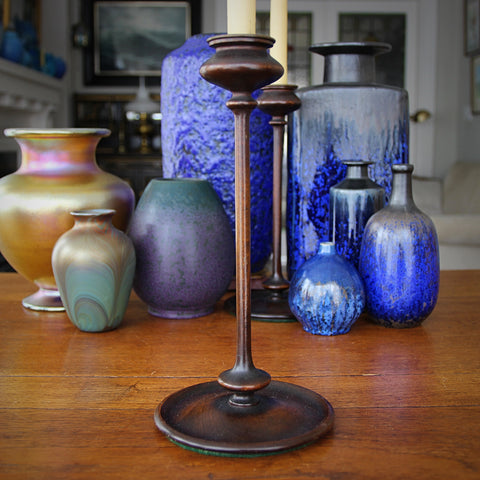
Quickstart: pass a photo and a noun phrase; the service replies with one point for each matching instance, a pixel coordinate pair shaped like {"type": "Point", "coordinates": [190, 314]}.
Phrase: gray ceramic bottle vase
{"type": "Point", "coordinates": [352, 202]}
{"type": "Point", "coordinates": [94, 265]}
{"type": "Point", "coordinates": [348, 116]}
{"type": "Point", "coordinates": [198, 140]}
{"type": "Point", "coordinates": [184, 246]}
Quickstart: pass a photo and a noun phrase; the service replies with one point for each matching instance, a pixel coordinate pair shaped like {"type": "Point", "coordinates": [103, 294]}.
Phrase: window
{"type": "Point", "coordinates": [299, 41]}
{"type": "Point", "coordinates": [387, 28]}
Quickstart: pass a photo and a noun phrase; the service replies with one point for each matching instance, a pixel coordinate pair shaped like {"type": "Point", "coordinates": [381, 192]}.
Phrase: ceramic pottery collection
{"type": "Point", "coordinates": [198, 140]}
{"type": "Point", "coordinates": [352, 202]}
{"type": "Point", "coordinates": [348, 117]}
{"type": "Point", "coordinates": [58, 174]}
{"type": "Point", "coordinates": [326, 293]}
{"type": "Point", "coordinates": [184, 246]}
{"type": "Point", "coordinates": [399, 259]}
{"type": "Point", "coordinates": [180, 251]}
{"type": "Point", "coordinates": [94, 265]}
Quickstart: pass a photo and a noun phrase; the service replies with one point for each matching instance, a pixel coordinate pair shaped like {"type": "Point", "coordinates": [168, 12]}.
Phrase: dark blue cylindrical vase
{"type": "Point", "coordinates": [352, 202]}
{"type": "Point", "coordinates": [184, 246]}
{"type": "Point", "coordinates": [198, 140]}
{"type": "Point", "coordinates": [349, 116]}
{"type": "Point", "coordinates": [399, 259]}
{"type": "Point", "coordinates": [326, 293]}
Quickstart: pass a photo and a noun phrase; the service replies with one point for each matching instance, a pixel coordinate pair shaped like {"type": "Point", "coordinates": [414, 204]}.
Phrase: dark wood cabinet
{"type": "Point", "coordinates": [133, 150]}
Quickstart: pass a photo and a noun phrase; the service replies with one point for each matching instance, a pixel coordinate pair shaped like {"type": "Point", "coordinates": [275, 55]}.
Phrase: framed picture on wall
{"type": "Point", "coordinates": [472, 27]}
{"type": "Point", "coordinates": [475, 86]}
{"type": "Point", "coordinates": [130, 39]}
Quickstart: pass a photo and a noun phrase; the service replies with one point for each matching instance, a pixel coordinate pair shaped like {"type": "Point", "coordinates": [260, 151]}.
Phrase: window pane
{"type": "Point", "coordinates": [388, 28]}
{"type": "Point", "coordinates": [299, 41]}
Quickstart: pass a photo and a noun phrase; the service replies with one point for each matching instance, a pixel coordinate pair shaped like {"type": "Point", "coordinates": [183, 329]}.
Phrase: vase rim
{"type": "Point", "coordinates": [402, 168]}
{"type": "Point", "coordinates": [55, 132]}
{"type": "Point", "coordinates": [326, 247]}
{"type": "Point", "coordinates": [179, 180]}
{"type": "Point", "coordinates": [93, 212]}
{"type": "Point", "coordinates": [357, 163]}
{"type": "Point", "coordinates": [355, 48]}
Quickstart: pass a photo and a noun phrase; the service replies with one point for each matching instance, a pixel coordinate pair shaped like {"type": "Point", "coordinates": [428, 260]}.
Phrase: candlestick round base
{"type": "Point", "coordinates": [285, 417]}
{"type": "Point", "coordinates": [267, 306]}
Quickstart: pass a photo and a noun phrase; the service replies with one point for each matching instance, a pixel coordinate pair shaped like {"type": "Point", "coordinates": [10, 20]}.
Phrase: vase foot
{"type": "Point", "coordinates": [180, 314]}
{"type": "Point", "coordinates": [44, 300]}
{"type": "Point", "coordinates": [285, 417]}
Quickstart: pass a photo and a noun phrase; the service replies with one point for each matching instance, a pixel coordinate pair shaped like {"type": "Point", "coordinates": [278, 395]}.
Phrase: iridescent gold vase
{"type": "Point", "coordinates": [58, 175]}
{"type": "Point", "coordinates": [94, 265]}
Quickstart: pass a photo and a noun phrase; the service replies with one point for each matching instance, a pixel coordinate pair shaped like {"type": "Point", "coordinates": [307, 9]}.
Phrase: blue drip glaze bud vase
{"type": "Point", "coordinates": [399, 259]}
{"type": "Point", "coordinates": [94, 265]}
{"type": "Point", "coordinates": [326, 293]}
{"type": "Point", "coordinates": [352, 202]}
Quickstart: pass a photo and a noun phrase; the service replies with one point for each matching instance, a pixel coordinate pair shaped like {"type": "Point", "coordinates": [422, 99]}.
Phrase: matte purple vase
{"type": "Point", "coordinates": [184, 246]}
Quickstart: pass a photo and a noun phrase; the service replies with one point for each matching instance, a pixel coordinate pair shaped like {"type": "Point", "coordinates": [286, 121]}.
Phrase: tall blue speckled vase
{"type": "Point", "coordinates": [326, 293]}
{"type": "Point", "coordinates": [349, 116]}
{"type": "Point", "coordinates": [352, 202]}
{"type": "Point", "coordinates": [399, 259]}
{"type": "Point", "coordinates": [198, 140]}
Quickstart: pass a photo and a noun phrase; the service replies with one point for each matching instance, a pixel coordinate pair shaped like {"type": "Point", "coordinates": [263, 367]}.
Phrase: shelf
{"type": "Point", "coordinates": [28, 98]}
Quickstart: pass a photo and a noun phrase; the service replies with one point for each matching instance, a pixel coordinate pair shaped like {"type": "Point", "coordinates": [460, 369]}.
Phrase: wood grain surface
{"type": "Point", "coordinates": [77, 405]}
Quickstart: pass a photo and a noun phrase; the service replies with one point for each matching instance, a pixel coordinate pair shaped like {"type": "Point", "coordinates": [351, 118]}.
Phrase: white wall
{"type": "Point", "coordinates": [457, 130]}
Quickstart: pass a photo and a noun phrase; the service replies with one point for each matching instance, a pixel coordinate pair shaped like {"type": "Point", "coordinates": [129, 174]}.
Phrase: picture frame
{"type": "Point", "coordinates": [471, 27]}
{"type": "Point", "coordinates": [475, 85]}
{"type": "Point", "coordinates": [129, 39]}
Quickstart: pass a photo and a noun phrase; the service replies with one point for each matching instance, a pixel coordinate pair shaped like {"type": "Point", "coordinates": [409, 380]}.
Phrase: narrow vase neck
{"type": "Point", "coordinates": [349, 68]}
{"type": "Point", "coordinates": [350, 62]}
{"type": "Point", "coordinates": [58, 155]}
{"type": "Point", "coordinates": [357, 169]}
{"type": "Point", "coordinates": [95, 218]}
{"type": "Point", "coordinates": [326, 248]}
{"type": "Point", "coordinates": [402, 185]}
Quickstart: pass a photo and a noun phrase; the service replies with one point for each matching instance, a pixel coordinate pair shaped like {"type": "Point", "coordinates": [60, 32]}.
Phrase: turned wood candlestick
{"type": "Point", "coordinates": [271, 304]}
{"type": "Point", "coordinates": [243, 412]}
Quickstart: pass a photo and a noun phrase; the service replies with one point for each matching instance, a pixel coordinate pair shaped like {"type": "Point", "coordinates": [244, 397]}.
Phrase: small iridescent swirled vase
{"type": "Point", "coordinates": [94, 266]}
{"type": "Point", "coordinates": [399, 259]}
{"type": "Point", "coordinates": [326, 293]}
{"type": "Point", "coordinates": [352, 202]}
{"type": "Point", "coordinates": [349, 116]}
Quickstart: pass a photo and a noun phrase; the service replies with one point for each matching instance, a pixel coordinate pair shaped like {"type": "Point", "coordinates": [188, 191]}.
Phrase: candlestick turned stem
{"type": "Point", "coordinates": [271, 304]}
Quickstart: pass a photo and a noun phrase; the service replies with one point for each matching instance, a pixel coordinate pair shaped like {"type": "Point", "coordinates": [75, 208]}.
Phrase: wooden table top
{"type": "Point", "coordinates": [75, 405]}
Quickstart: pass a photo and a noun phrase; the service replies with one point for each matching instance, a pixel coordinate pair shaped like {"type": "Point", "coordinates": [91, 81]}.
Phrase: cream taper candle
{"type": "Point", "coordinates": [241, 16]}
{"type": "Point", "coordinates": [279, 31]}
